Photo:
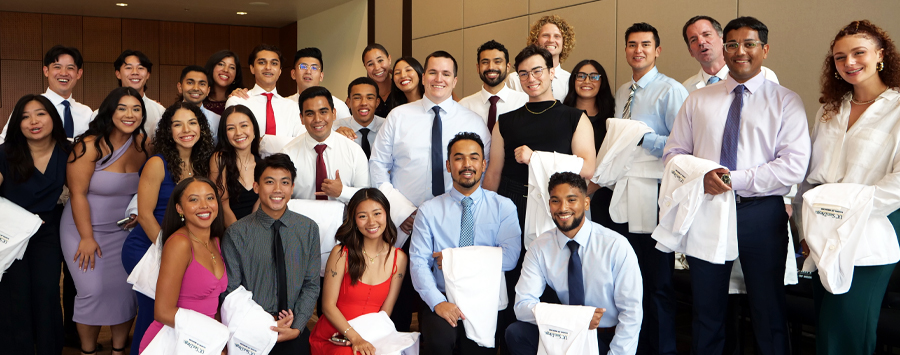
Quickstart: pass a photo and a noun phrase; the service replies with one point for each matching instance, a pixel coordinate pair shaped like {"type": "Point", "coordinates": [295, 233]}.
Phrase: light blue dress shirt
{"type": "Point", "coordinates": [612, 279]}
{"type": "Point", "coordinates": [437, 227]}
{"type": "Point", "coordinates": [656, 103]}
{"type": "Point", "coordinates": [351, 123]}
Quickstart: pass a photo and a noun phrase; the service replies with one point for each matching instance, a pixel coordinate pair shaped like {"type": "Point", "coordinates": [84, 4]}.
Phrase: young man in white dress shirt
{"type": "Point", "coordinates": [63, 69]}
{"type": "Point", "coordinates": [278, 117]}
{"type": "Point", "coordinates": [363, 125]}
{"type": "Point", "coordinates": [758, 130]}
{"type": "Point", "coordinates": [579, 250]}
{"type": "Point", "coordinates": [554, 34]}
{"type": "Point", "coordinates": [133, 70]}
{"type": "Point", "coordinates": [493, 67]}
{"type": "Point", "coordinates": [309, 71]}
{"type": "Point", "coordinates": [346, 167]}
{"type": "Point", "coordinates": [193, 86]}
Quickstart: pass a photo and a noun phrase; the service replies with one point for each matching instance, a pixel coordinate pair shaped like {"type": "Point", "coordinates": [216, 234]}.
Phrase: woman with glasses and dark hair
{"type": "Point", "coordinates": [102, 175]}
{"type": "Point", "coordinates": [407, 82]}
{"type": "Point", "coordinates": [232, 165]}
{"type": "Point", "coordinates": [181, 149]}
{"type": "Point", "coordinates": [224, 70]}
{"type": "Point", "coordinates": [32, 175]}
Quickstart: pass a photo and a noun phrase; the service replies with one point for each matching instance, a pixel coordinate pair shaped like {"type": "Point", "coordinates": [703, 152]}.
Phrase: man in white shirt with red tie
{"type": "Point", "coordinates": [494, 98]}
{"type": "Point", "coordinates": [278, 117]}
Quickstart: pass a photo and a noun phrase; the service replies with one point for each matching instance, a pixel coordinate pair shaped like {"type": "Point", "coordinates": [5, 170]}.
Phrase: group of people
{"type": "Point", "coordinates": [208, 180]}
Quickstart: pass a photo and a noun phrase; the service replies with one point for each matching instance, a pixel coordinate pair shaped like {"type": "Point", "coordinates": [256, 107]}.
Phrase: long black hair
{"type": "Point", "coordinates": [18, 154]}
{"type": "Point", "coordinates": [172, 222]}
{"type": "Point", "coordinates": [349, 236]}
{"type": "Point", "coordinates": [164, 144]}
{"type": "Point", "coordinates": [604, 101]}
{"type": "Point", "coordinates": [102, 126]}
{"type": "Point", "coordinates": [227, 158]}
{"type": "Point", "coordinates": [211, 65]}
{"type": "Point", "coordinates": [397, 97]}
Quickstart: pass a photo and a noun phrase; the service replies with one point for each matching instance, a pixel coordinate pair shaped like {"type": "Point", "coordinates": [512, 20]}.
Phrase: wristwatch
{"type": "Point", "coordinates": [726, 178]}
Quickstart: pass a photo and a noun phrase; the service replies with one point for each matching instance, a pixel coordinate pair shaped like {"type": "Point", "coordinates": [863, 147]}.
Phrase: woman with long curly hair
{"type": "Point", "coordinates": [232, 165]}
{"type": "Point", "coordinates": [361, 275]}
{"type": "Point", "coordinates": [181, 147]}
{"type": "Point", "coordinates": [102, 175]}
{"type": "Point", "coordinates": [856, 139]}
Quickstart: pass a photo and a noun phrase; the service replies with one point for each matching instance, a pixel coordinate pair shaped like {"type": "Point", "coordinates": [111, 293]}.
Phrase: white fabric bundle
{"type": "Point", "coordinates": [472, 280]}
{"type": "Point", "coordinates": [401, 208]}
{"type": "Point", "coordinates": [248, 324]}
{"type": "Point", "coordinates": [379, 330]}
{"type": "Point", "coordinates": [17, 226]}
{"type": "Point", "coordinates": [271, 144]}
{"type": "Point", "coordinates": [194, 334]}
{"type": "Point", "coordinates": [328, 215]}
{"type": "Point", "coordinates": [146, 272]}
{"type": "Point", "coordinates": [564, 329]}
{"type": "Point", "coordinates": [537, 213]}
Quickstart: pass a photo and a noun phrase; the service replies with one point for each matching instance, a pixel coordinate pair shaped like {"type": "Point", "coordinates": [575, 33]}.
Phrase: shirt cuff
{"type": "Point", "coordinates": [739, 180]}
{"type": "Point", "coordinates": [433, 299]}
{"type": "Point", "coordinates": [347, 193]}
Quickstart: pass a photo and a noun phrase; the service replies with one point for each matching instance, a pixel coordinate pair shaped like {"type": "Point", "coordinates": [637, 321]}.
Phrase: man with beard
{"type": "Point", "coordinates": [587, 265]}
{"type": "Point", "coordinates": [467, 215]}
{"type": "Point", "coordinates": [193, 88]}
{"type": "Point", "coordinates": [494, 98]}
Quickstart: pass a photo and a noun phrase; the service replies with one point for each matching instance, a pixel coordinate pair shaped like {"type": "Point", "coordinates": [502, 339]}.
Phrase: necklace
{"type": "Point", "coordinates": [372, 259]}
{"type": "Point", "coordinates": [244, 164]}
{"type": "Point", "coordinates": [211, 255]}
{"type": "Point", "coordinates": [185, 166]}
{"type": "Point", "coordinates": [538, 113]}
{"type": "Point", "coordinates": [860, 103]}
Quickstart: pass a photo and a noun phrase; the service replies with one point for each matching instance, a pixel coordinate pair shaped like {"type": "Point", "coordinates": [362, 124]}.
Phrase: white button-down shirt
{"type": "Point", "coordinates": [401, 154]}
{"type": "Point", "coordinates": [351, 123]}
{"type": "Point", "coordinates": [509, 100]}
{"type": "Point", "coordinates": [287, 114]}
{"type": "Point", "coordinates": [700, 79]}
{"type": "Point", "coordinates": [81, 113]}
{"type": "Point", "coordinates": [341, 155]}
{"type": "Point", "coordinates": [559, 84]}
{"type": "Point", "coordinates": [340, 108]}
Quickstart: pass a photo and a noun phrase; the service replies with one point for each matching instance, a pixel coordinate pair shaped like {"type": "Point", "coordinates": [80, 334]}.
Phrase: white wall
{"type": "Point", "coordinates": [341, 34]}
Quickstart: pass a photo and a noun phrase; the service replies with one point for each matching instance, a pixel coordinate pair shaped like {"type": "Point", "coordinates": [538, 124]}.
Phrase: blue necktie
{"type": "Point", "coordinates": [728, 156]}
{"type": "Point", "coordinates": [712, 80]}
{"type": "Point", "coordinates": [467, 225]}
{"type": "Point", "coordinates": [576, 280]}
{"type": "Point", "coordinates": [68, 122]}
{"type": "Point", "coordinates": [437, 156]}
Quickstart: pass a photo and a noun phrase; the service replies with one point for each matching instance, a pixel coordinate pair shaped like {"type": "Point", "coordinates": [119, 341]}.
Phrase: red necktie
{"type": "Point", "coordinates": [492, 112]}
{"type": "Point", "coordinates": [321, 174]}
{"type": "Point", "coordinates": [270, 114]}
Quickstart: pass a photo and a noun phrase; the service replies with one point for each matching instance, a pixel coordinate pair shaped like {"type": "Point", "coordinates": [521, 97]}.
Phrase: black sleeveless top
{"type": "Point", "coordinates": [549, 131]}
{"type": "Point", "coordinates": [599, 124]}
{"type": "Point", "coordinates": [243, 204]}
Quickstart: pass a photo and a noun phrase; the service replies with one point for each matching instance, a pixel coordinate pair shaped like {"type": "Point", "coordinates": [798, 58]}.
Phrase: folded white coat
{"type": "Point", "coordinates": [378, 330]}
{"type": "Point", "coordinates": [194, 334]}
{"type": "Point", "coordinates": [472, 280]}
{"type": "Point", "coordinates": [836, 220]}
{"type": "Point", "coordinates": [634, 172]}
{"type": "Point", "coordinates": [146, 272]}
{"type": "Point", "coordinates": [537, 212]}
{"type": "Point", "coordinates": [401, 209]}
{"type": "Point", "coordinates": [328, 215]}
{"type": "Point", "coordinates": [17, 226]}
{"type": "Point", "coordinates": [683, 201]}
{"type": "Point", "coordinates": [271, 144]}
{"type": "Point", "coordinates": [564, 329]}
{"type": "Point", "coordinates": [248, 324]}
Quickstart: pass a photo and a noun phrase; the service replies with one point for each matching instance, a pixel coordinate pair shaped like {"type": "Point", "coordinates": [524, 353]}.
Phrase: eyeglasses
{"type": "Point", "coordinates": [582, 76]}
{"type": "Point", "coordinates": [304, 66]}
{"type": "Point", "coordinates": [536, 73]}
{"type": "Point", "coordinates": [748, 46]}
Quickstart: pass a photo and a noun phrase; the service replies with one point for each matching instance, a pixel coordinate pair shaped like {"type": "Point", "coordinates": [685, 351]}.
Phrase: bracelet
{"type": "Point", "coordinates": [345, 330]}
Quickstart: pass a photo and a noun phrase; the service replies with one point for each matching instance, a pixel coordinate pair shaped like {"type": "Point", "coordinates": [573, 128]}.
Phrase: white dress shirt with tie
{"type": "Point", "coordinates": [287, 113]}
{"type": "Point", "coordinates": [340, 108]}
{"type": "Point", "coordinates": [701, 79]}
{"type": "Point", "coordinates": [509, 100]}
{"type": "Point", "coordinates": [559, 84]}
{"type": "Point", "coordinates": [341, 154]}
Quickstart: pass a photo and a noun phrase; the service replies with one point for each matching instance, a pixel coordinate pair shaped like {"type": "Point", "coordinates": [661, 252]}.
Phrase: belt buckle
{"type": "Point", "coordinates": [737, 198]}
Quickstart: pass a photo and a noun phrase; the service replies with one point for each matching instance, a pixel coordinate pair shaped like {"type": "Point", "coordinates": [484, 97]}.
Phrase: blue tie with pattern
{"type": "Point", "coordinates": [68, 122]}
{"type": "Point", "coordinates": [437, 155]}
{"type": "Point", "coordinates": [712, 80]}
{"type": "Point", "coordinates": [467, 225]}
{"type": "Point", "coordinates": [728, 156]}
{"type": "Point", "coordinates": [576, 279]}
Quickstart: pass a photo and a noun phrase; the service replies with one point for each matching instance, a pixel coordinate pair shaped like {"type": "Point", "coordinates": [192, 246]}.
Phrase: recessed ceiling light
{"type": "Point", "coordinates": [241, 13]}
{"type": "Point", "coordinates": [121, 4]}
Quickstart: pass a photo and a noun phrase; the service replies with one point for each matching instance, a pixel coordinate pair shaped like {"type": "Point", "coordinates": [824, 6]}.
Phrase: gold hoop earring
{"type": "Point", "coordinates": [182, 217]}
{"type": "Point", "coordinates": [838, 76]}
{"type": "Point", "coordinates": [880, 66]}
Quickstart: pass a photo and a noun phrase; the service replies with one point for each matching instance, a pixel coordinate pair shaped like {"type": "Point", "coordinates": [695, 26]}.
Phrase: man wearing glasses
{"type": "Point", "coordinates": [757, 129]}
{"type": "Point", "coordinates": [309, 71]}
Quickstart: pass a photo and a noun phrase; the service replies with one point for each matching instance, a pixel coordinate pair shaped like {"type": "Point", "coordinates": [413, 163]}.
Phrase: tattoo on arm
{"type": "Point", "coordinates": [400, 275]}
{"type": "Point", "coordinates": [333, 273]}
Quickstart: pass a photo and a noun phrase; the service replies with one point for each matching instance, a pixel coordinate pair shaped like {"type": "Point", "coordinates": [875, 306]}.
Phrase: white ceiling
{"type": "Point", "coordinates": [277, 13]}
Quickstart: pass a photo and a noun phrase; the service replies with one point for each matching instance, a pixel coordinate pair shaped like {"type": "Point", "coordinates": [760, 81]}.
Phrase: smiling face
{"type": "Point", "coordinates": [274, 188]}
{"type": "Point", "coordinates": [371, 219]}
{"type": "Point", "coordinates": [439, 79]}
{"type": "Point", "coordinates": [318, 117]}
{"type": "Point", "coordinates": [704, 43]}
{"type": "Point", "coordinates": [224, 72]}
{"type": "Point", "coordinates": [309, 77]}
{"type": "Point", "coordinates": [198, 205]}
{"type": "Point", "coordinates": [194, 87]}
{"type": "Point", "coordinates": [465, 164]}
{"type": "Point", "coordinates": [128, 114]}
{"type": "Point", "coordinates": [132, 74]}
{"type": "Point", "coordinates": [239, 131]}
{"type": "Point", "coordinates": [62, 75]}
{"type": "Point", "coordinates": [405, 77]}
{"type": "Point", "coordinates": [36, 123]}
{"type": "Point", "coordinates": [641, 52]}
{"type": "Point", "coordinates": [856, 59]}
{"type": "Point", "coordinates": [536, 87]}
{"type": "Point", "coordinates": [587, 88]}
{"type": "Point", "coordinates": [266, 69]}
{"type": "Point", "coordinates": [185, 129]}
{"type": "Point", "coordinates": [492, 67]}
{"type": "Point", "coordinates": [378, 65]}
{"type": "Point", "coordinates": [744, 64]}
{"type": "Point", "coordinates": [362, 103]}
{"type": "Point", "coordinates": [551, 39]}
{"type": "Point", "coordinates": [567, 206]}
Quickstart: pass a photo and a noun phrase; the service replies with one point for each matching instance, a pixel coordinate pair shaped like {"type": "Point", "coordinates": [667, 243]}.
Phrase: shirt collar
{"type": "Point", "coordinates": [751, 85]}
{"type": "Point", "coordinates": [373, 126]}
{"type": "Point", "coordinates": [54, 97]}
{"type": "Point", "coordinates": [722, 74]}
{"type": "Point", "coordinates": [582, 237]}
{"type": "Point", "coordinates": [503, 94]}
{"type": "Point", "coordinates": [647, 78]}
{"type": "Point", "coordinates": [447, 106]}
{"type": "Point", "coordinates": [310, 143]}
{"type": "Point", "coordinates": [257, 90]}
{"type": "Point", "coordinates": [476, 196]}
{"type": "Point", "coordinates": [556, 70]}
{"type": "Point", "coordinates": [266, 221]}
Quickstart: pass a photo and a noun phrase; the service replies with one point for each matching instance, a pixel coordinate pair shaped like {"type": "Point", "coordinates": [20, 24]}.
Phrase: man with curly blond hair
{"type": "Point", "coordinates": [554, 34]}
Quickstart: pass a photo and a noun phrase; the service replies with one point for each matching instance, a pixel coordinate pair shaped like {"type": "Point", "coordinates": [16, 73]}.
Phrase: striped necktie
{"type": "Point", "coordinates": [728, 155]}
{"type": "Point", "coordinates": [626, 113]}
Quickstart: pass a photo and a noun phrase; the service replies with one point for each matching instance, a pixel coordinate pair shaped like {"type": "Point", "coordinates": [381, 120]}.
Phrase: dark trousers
{"type": "Point", "coordinates": [144, 318]}
{"type": "Point", "coordinates": [523, 339]}
{"type": "Point", "coordinates": [762, 244]}
{"type": "Point", "coordinates": [407, 299]}
{"type": "Point", "coordinates": [518, 193]}
{"type": "Point", "coordinates": [658, 327]}
{"type": "Point", "coordinates": [30, 313]}
{"type": "Point", "coordinates": [439, 338]}
{"type": "Point", "coordinates": [298, 346]}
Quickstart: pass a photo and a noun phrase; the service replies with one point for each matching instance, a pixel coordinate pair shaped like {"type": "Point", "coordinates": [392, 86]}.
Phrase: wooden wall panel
{"type": "Point", "coordinates": [166, 80]}
{"type": "Point", "coordinates": [20, 36]}
{"type": "Point", "coordinates": [104, 36]}
{"type": "Point", "coordinates": [243, 39]}
{"type": "Point", "coordinates": [61, 29]}
{"type": "Point", "coordinates": [141, 35]}
{"type": "Point", "coordinates": [209, 39]}
{"type": "Point", "coordinates": [288, 44]}
{"type": "Point", "coordinates": [272, 36]}
{"type": "Point", "coordinates": [98, 80]}
{"type": "Point", "coordinates": [17, 78]}
{"type": "Point", "coordinates": [176, 44]}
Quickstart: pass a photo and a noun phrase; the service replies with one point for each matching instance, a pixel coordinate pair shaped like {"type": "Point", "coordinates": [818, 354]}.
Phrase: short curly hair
{"type": "Point", "coordinates": [834, 89]}
{"type": "Point", "coordinates": [568, 33]}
